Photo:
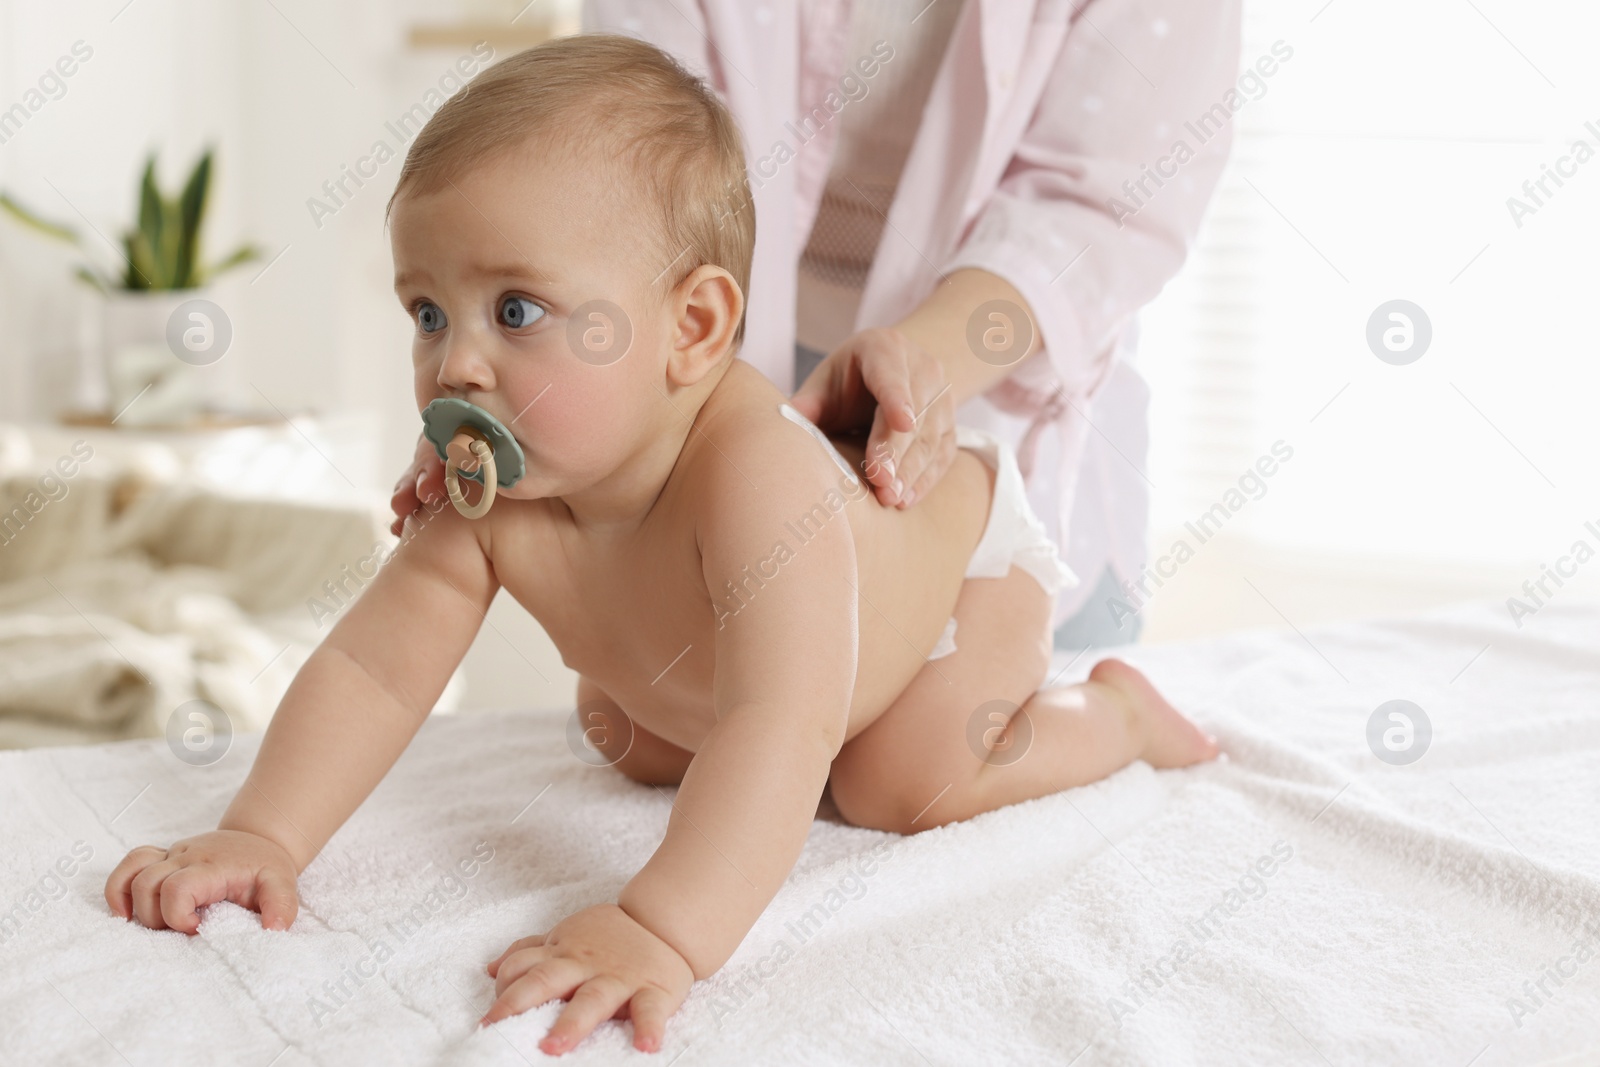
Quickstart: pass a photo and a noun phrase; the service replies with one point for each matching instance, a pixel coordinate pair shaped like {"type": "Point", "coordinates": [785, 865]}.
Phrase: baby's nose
{"type": "Point", "coordinates": [465, 369]}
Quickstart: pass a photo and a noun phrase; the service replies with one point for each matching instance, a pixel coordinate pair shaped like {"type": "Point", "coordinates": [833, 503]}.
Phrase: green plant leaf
{"type": "Point", "coordinates": [152, 224]}
{"type": "Point", "coordinates": [93, 278]}
{"type": "Point", "coordinates": [171, 242]}
{"type": "Point", "coordinates": [241, 255]}
{"type": "Point", "coordinates": [34, 222]}
{"type": "Point", "coordinates": [191, 215]}
{"type": "Point", "coordinates": [140, 274]}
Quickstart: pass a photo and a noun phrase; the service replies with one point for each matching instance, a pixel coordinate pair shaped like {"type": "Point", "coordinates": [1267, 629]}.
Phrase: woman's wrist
{"type": "Point", "coordinates": [940, 326]}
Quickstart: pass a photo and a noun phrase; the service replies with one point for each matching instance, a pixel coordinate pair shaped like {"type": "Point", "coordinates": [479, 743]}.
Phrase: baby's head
{"type": "Point", "coordinates": [572, 236]}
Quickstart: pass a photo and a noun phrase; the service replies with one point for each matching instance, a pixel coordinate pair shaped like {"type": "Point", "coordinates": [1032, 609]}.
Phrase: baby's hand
{"type": "Point", "coordinates": [606, 964]}
{"type": "Point", "coordinates": [163, 887]}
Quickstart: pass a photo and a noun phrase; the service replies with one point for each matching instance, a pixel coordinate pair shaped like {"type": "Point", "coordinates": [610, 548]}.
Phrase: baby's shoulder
{"type": "Point", "coordinates": [757, 453]}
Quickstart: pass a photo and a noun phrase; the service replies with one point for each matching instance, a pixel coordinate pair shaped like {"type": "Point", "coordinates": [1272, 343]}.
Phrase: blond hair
{"type": "Point", "coordinates": [625, 101]}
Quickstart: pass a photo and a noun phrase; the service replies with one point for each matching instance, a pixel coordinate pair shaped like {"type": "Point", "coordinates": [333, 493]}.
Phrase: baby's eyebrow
{"type": "Point", "coordinates": [523, 270]}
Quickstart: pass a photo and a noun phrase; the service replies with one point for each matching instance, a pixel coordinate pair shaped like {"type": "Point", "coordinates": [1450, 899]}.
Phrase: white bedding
{"type": "Point", "coordinates": [1414, 904]}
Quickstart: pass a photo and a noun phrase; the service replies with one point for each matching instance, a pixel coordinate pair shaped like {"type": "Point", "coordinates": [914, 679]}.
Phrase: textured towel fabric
{"type": "Point", "coordinates": [1302, 902]}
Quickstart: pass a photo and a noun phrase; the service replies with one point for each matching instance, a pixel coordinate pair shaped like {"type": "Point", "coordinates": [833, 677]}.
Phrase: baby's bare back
{"type": "Point", "coordinates": [635, 614]}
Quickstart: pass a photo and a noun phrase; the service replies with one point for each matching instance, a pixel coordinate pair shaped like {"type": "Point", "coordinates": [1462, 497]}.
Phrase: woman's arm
{"type": "Point", "coordinates": [1080, 224]}
{"type": "Point", "coordinates": [908, 379]}
{"type": "Point", "coordinates": [1076, 238]}
{"type": "Point", "coordinates": [939, 326]}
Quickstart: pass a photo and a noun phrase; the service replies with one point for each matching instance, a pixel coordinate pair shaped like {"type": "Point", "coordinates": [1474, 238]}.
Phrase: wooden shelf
{"type": "Point", "coordinates": [505, 37]}
{"type": "Point", "coordinates": [203, 421]}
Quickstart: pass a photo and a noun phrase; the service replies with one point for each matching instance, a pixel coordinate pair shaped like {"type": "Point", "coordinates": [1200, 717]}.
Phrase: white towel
{"type": "Point", "coordinates": [127, 597]}
{"type": "Point", "coordinates": [1326, 906]}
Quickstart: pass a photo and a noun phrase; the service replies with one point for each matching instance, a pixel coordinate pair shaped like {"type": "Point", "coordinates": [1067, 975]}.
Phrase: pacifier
{"type": "Point", "coordinates": [474, 445]}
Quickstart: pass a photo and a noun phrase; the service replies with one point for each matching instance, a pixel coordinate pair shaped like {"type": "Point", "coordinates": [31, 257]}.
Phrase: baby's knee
{"type": "Point", "coordinates": [875, 798]}
{"type": "Point", "coordinates": [646, 758]}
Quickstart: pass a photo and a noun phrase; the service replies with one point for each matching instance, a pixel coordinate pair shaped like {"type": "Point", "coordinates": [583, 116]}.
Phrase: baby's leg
{"type": "Point", "coordinates": [950, 747]}
{"type": "Point", "coordinates": [624, 744]}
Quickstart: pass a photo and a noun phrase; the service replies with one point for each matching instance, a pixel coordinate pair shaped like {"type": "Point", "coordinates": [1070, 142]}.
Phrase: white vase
{"type": "Point", "coordinates": [147, 383]}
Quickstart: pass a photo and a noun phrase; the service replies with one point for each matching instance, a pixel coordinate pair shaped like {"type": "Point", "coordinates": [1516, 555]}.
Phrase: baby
{"type": "Point", "coordinates": [572, 237]}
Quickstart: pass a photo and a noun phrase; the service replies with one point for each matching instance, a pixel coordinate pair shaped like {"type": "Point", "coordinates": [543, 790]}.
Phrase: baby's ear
{"type": "Point", "coordinates": [708, 306]}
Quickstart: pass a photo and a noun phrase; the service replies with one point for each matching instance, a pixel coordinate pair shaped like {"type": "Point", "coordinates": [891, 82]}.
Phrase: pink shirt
{"type": "Point", "coordinates": [894, 53]}
{"type": "Point", "coordinates": [1042, 112]}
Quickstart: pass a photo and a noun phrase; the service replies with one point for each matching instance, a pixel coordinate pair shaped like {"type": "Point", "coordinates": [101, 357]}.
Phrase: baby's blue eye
{"type": "Point", "coordinates": [517, 312]}
{"type": "Point", "coordinates": [430, 317]}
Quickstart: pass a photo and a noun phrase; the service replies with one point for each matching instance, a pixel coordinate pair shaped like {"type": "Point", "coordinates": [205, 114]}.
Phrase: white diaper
{"type": "Point", "coordinates": [1013, 535]}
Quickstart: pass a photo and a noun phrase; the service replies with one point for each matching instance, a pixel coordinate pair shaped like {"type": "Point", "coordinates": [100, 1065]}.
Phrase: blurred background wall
{"type": "Point", "coordinates": [1375, 164]}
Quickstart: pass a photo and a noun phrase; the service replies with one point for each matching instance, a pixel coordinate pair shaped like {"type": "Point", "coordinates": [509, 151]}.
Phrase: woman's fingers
{"type": "Point", "coordinates": [887, 376]}
{"type": "Point", "coordinates": [885, 459]}
{"type": "Point", "coordinates": [883, 377]}
{"type": "Point", "coordinates": [119, 884]}
{"type": "Point", "coordinates": [886, 370]}
{"type": "Point", "coordinates": [834, 396]}
{"type": "Point", "coordinates": [650, 1009]}
{"type": "Point", "coordinates": [923, 453]}
{"type": "Point", "coordinates": [595, 1001]}
{"type": "Point", "coordinates": [940, 456]}
{"type": "Point", "coordinates": [812, 397]}
{"type": "Point", "coordinates": [547, 980]}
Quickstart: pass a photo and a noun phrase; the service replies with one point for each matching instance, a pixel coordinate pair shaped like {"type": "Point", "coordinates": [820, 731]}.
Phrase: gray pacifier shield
{"type": "Point", "coordinates": [444, 417]}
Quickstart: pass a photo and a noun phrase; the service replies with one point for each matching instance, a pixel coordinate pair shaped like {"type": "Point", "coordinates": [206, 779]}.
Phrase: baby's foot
{"type": "Point", "coordinates": [1170, 738]}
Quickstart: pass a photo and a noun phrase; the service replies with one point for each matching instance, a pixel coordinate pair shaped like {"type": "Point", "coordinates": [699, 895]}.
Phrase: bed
{"type": "Point", "coordinates": [1302, 901]}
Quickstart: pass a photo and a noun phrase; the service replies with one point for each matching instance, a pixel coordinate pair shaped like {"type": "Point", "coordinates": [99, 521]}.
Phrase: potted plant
{"type": "Point", "coordinates": [161, 270]}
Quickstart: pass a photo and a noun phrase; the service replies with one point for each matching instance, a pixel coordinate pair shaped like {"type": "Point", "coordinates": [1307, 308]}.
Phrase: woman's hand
{"type": "Point", "coordinates": [604, 964]}
{"type": "Point", "coordinates": [882, 378]}
{"type": "Point", "coordinates": [164, 888]}
{"type": "Point", "coordinates": [422, 483]}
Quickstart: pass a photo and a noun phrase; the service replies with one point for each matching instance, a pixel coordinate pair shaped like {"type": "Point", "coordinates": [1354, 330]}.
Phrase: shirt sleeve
{"type": "Point", "coordinates": [1103, 197]}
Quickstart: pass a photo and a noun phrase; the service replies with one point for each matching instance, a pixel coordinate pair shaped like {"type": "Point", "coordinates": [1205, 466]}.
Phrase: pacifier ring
{"type": "Point", "coordinates": [469, 451]}
{"type": "Point", "coordinates": [474, 445]}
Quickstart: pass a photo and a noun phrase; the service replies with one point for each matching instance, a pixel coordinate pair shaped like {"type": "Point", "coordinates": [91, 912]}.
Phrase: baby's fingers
{"type": "Point", "coordinates": [146, 892]}
{"type": "Point", "coordinates": [532, 941]}
{"type": "Point", "coordinates": [185, 891]}
{"type": "Point", "coordinates": [595, 1001]}
{"type": "Point", "coordinates": [268, 891]}
{"type": "Point", "coordinates": [119, 885]}
{"type": "Point", "coordinates": [650, 1009]}
{"type": "Point", "coordinates": [545, 981]}
{"type": "Point", "coordinates": [277, 898]}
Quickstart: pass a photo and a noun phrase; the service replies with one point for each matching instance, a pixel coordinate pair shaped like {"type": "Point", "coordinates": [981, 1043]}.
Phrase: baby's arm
{"type": "Point", "coordinates": [786, 668]}
{"type": "Point", "coordinates": [785, 675]}
{"type": "Point", "coordinates": [347, 716]}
